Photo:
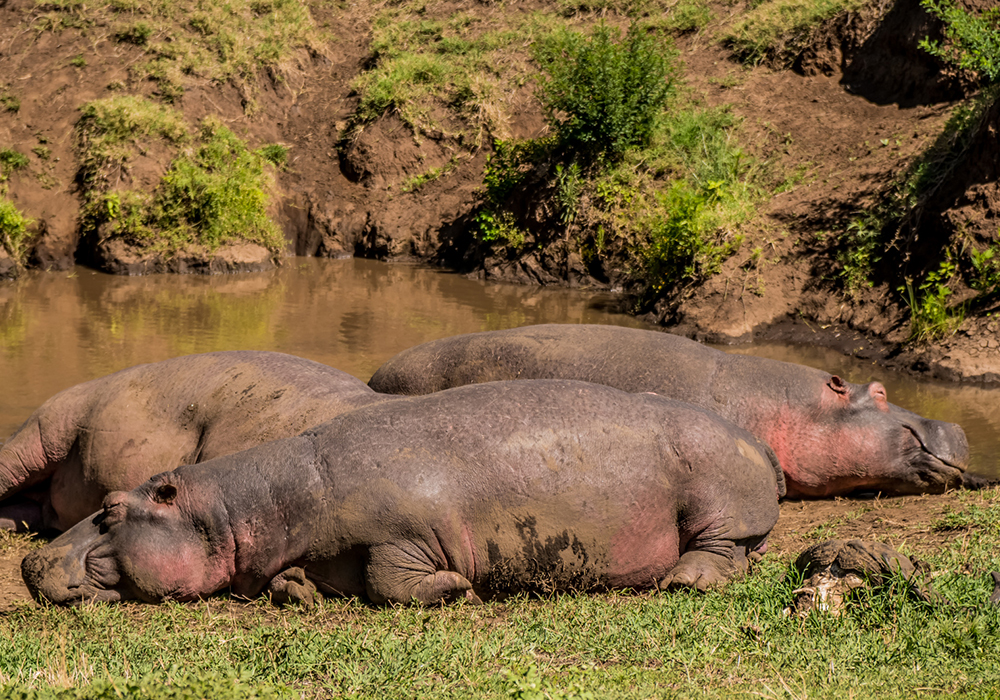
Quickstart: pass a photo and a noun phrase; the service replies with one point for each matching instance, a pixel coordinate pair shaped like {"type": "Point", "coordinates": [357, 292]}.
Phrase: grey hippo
{"type": "Point", "coordinates": [475, 491]}
{"type": "Point", "coordinates": [831, 437]}
{"type": "Point", "coordinates": [113, 433]}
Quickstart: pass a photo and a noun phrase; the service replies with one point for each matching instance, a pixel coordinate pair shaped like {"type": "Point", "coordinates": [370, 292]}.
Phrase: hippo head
{"type": "Point", "coordinates": [149, 544]}
{"type": "Point", "coordinates": [854, 439]}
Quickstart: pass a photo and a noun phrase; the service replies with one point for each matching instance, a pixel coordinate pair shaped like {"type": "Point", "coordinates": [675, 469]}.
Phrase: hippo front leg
{"type": "Point", "coordinates": [403, 573]}
{"type": "Point", "coordinates": [293, 586]}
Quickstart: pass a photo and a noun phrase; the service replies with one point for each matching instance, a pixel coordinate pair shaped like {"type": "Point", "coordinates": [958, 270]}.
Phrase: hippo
{"type": "Point", "coordinates": [475, 491]}
{"type": "Point", "coordinates": [113, 433]}
{"type": "Point", "coordinates": [831, 437]}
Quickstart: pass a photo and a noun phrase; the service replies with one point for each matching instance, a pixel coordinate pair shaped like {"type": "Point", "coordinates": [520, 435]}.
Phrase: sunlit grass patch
{"type": "Point", "coordinates": [230, 41]}
{"type": "Point", "coordinates": [774, 26]}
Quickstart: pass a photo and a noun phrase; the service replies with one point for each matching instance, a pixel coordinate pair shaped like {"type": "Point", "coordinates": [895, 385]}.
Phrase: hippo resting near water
{"type": "Point", "coordinates": [831, 437]}
{"type": "Point", "coordinates": [547, 485]}
{"type": "Point", "coordinates": [113, 433]}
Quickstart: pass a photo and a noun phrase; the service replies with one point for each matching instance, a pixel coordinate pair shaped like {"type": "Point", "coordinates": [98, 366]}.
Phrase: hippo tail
{"type": "Point", "coordinates": [779, 473]}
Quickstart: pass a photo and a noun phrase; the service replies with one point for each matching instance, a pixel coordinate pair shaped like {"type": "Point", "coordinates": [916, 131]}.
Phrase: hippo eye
{"type": "Point", "coordinates": [165, 493]}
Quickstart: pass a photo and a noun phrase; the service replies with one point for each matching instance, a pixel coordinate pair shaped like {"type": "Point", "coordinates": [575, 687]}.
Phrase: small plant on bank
{"type": "Point", "coordinates": [986, 267]}
{"type": "Point", "coordinates": [602, 93]}
{"type": "Point", "coordinates": [862, 249]}
{"type": "Point", "coordinates": [11, 160]}
{"type": "Point", "coordinates": [930, 316]}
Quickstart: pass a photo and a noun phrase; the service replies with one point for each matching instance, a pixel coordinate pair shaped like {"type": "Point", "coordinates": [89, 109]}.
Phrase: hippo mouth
{"type": "Point", "coordinates": [945, 461]}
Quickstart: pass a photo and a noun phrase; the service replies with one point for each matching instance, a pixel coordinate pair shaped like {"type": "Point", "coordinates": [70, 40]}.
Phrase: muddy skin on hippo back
{"type": "Point", "coordinates": [552, 485]}
{"type": "Point", "coordinates": [831, 437]}
{"type": "Point", "coordinates": [113, 433]}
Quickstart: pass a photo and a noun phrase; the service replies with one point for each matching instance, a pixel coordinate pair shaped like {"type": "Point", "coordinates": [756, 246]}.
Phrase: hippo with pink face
{"type": "Point", "coordinates": [474, 491]}
{"type": "Point", "coordinates": [113, 433]}
{"type": "Point", "coordinates": [831, 437]}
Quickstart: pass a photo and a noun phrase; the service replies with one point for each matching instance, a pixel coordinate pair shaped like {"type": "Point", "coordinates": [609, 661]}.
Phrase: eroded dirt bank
{"type": "Point", "coordinates": [841, 117]}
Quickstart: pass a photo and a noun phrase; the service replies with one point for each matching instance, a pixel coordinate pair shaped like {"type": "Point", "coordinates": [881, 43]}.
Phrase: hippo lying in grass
{"type": "Point", "coordinates": [830, 436]}
{"type": "Point", "coordinates": [113, 433]}
{"type": "Point", "coordinates": [548, 485]}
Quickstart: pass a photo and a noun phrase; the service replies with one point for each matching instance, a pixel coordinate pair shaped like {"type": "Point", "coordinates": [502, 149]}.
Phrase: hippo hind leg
{"type": "Point", "coordinates": [401, 573]}
{"type": "Point", "coordinates": [708, 566]}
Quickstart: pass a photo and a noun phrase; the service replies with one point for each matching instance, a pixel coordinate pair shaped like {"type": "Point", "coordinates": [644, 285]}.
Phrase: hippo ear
{"type": "Point", "coordinates": [838, 385]}
{"type": "Point", "coordinates": [165, 494]}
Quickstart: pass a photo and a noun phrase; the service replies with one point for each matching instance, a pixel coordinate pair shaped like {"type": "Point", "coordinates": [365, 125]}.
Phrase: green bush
{"type": "Point", "coordinates": [930, 316]}
{"type": "Point", "coordinates": [602, 93]}
{"type": "Point", "coordinates": [216, 194]}
{"type": "Point", "coordinates": [973, 41]}
{"type": "Point", "coordinates": [13, 230]}
{"type": "Point", "coordinates": [679, 248]}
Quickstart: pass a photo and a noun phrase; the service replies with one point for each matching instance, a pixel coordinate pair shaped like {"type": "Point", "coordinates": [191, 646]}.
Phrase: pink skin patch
{"type": "Point", "coordinates": [647, 548]}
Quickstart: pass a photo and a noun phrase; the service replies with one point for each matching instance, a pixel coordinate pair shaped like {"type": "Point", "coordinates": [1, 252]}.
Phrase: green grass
{"type": "Point", "coordinates": [731, 643]}
{"type": "Point", "coordinates": [465, 64]}
{"type": "Point", "coordinates": [10, 160]}
{"type": "Point", "coordinates": [230, 41]}
{"type": "Point", "coordinates": [774, 29]}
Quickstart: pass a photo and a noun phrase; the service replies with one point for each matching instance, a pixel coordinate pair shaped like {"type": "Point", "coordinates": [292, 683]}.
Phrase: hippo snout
{"type": "Point", "coordinates": [949, 444]}
{"type": "Point", "coordinates": [74, 568]}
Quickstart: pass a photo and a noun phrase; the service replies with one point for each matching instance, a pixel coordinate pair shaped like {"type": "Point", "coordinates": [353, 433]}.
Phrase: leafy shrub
{"type": "Point", "coordinates": [603, 94]}
{"type": "Point", "coordinates": [679, 248]}
{"type": "Point", "coordinates": [216, 194]}
{"type": "Point", "coordinates": [506, 168]}
{"type": "Point", "coordinates": [14, 234]}
{"type": "Point", "coordinates": [973, 41]}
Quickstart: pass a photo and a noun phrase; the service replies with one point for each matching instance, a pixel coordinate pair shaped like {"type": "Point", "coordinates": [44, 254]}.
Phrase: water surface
{"type": "Point", "coordinates": [60, 329]}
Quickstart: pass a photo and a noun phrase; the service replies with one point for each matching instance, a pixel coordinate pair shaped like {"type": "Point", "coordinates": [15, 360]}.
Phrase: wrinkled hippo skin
{"type": "Point", "coordinates": [113, 433]}
{"type": "Point", "coordinates": [475, 491]}
{"type": "Point", "coordinates": [830, 436]}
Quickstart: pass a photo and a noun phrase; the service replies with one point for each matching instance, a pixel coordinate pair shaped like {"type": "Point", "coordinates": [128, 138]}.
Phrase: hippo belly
{"type": "Point", "coordinates": [831, 437]}
{"type": "Point", "coordinates": [509, 486]}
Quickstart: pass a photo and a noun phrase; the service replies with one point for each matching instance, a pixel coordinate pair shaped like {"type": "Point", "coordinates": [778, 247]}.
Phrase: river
{"type": "Point", "coordinates": [58, 329]}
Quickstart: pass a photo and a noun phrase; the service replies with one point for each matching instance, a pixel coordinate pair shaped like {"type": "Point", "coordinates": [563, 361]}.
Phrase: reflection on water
{"type": "Point", "coordinates": [973, 407]}
{"type": "Point", "coordinates": [60, 329]}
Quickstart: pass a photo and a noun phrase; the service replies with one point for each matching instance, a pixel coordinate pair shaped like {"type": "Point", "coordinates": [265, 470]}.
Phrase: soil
{"type": "Point", "coordinates": [848, 111]}
{"type": "Point", "coordinates": [906, 522]}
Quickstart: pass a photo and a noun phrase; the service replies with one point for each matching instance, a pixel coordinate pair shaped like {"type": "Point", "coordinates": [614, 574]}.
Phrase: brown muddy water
{"type": "Point", "coordinates": [62, 328]}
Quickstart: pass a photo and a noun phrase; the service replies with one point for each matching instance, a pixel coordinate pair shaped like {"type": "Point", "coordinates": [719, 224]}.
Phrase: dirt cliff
{"type": "Point", "coordinates": [844, 112]}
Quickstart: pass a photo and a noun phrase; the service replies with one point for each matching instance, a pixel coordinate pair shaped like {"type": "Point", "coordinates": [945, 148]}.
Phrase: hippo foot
{"type": "Point", "coordinates": [699, 570]}
{"type": "Point", "coordinates": [292, 586]}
